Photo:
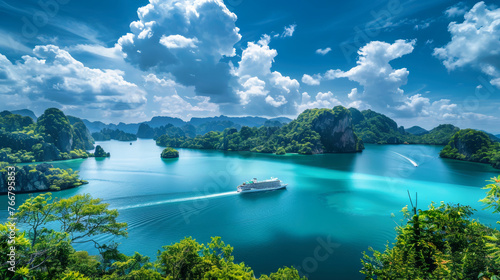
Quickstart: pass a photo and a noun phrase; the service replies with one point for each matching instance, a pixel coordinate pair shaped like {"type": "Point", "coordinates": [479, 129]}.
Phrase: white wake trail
{"type": "Point", "coordinates": [409, 159]}
{"type": "Point", "coordinates": [177, 200]}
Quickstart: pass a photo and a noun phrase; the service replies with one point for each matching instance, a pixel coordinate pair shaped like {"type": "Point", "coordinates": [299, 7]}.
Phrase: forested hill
{"type": "Point", "coordinates": [314, 131]}
{"type": "Point", "coordinates": [473, 145]}
{"type": "Point", "coordinates": [51, 137]}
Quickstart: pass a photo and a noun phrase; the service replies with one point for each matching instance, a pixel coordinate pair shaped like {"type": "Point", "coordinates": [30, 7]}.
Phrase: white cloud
{"type": "Point", "coordinates": [321, 100]}
{"type": "Point", "coordinates": [253, 86]}
{"type": "Point", "coordinates": [257, 59]}
{"type": "Point", "coordinates": [279, 101]}
{"type": "Point", "coordinates": [475, 42]}
{"type": "Point", "coordinates": [261, 90]}
{"type": "Point", "coordinates": [176, 106]}
{"type": "Point", "coordinates": [323, 51]}
{"type": "Point", "coordinates": [187, 38]}
{"type": "Point", "coordinates": [310, 80]}
{"type": "Point", "coordinates": [456, 10]}
{"type": "Point", "coordinates": [289, 30]}
{"type": "Point", "coordinates": [284, 83]}
{"type": "Point", "coordinates": [178, 41]}
{"type": "Point", "coordinates": [54, 76]}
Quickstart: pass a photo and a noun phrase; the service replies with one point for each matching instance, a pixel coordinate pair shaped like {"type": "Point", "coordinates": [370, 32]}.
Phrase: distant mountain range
{"type": "Point", "coordinates": [416, 130]}
{"type": "Point", "coordinates": [380, 128]}
{"type": "Point", "coordinates": [202, 125]}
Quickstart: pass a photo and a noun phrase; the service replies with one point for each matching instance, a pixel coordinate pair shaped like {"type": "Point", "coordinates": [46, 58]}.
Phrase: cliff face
{"type": "Point", "coordinates": [56, 125]}
{"type": "Point", "coordinates": [336, 131]}
{"type": "Point", "coordinates": [42, 177]}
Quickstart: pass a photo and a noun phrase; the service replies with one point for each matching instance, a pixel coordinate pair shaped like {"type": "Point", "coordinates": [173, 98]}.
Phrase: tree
{"type": "Point", "coordinates": [439, 243]}
{"type": "Point", "coordinates": [99, 152]}
{"type": "Point", "coordinates": [79, 219]}
{"type": "Point", "coordinates": [169, 153]}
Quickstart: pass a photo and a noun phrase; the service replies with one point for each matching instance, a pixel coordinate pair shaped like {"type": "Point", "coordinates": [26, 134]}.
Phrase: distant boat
{"type": "Point", "coordinates": [130, 143]}
{"type": "Point", "coordinates": [256, 186]}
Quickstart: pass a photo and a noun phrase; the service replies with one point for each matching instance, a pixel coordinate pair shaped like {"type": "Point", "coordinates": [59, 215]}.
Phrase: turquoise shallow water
{"type": "Point", "coordinates": [344, 200]}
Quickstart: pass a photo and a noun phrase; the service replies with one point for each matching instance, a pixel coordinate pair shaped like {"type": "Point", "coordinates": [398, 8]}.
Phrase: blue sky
{"type": "Point", "coordinates": [419, 62]}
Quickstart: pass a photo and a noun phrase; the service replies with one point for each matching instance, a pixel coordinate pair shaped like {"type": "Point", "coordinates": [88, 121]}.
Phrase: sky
{"type": "Point", "coordinates": [419, 62]}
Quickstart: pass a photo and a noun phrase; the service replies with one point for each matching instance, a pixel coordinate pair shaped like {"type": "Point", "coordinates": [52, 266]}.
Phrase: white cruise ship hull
{"type": "Point", "coordinates": [251, 190]}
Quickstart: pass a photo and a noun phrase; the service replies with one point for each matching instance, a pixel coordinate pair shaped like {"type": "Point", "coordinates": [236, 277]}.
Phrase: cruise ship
{"type": "Point", "coordinates": [256, 186]}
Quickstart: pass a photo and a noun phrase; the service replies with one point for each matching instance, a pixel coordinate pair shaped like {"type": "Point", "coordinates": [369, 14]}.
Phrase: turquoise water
{"type": "Point", "coordinates": [343, 200]}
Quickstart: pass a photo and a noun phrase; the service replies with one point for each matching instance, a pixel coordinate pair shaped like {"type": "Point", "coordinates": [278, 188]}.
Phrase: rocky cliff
{"type": "Point", "coordinates": [334, 128]}
{"type": "Point", "coordinates": [56, 126]}
{"type": "Point", "coordinates": [336, 131]}
{"type": "Point", "coordinates": [41, 177]}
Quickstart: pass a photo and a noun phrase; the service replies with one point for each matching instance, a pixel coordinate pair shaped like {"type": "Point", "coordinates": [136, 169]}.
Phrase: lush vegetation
{"type": "Point", "coordinates": [108, 134]}
{"type": "Point", "coordinates": [169, 153]}
{"type": "Point", "coordinates": [442, 242]}
{"type": "Point", "coordinates": [52, 226]}
{"type": "Point", "coordinates": [52, 137]}
{"type": "Point", "coordinates": [40, 177]}
{"type": "Point", "coordinates": [439, 135]}
{"type": "Point", "coordinates": [314, 131]}
{"type": "Point", "coordinates": [373, 127]}
{"type": "Point", "coordinates": [472, 145]}
{"type": "Point", "coordinates": [377, 128]}
{"type": "Point", "coordinates": [99, 152]}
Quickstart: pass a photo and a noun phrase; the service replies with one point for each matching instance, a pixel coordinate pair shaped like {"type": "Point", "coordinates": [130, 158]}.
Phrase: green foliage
{"type": "Point", "coordinates": [285, 273]}
{"type": "Point", "coordinates": [51, 138]}
{"type": "Point", "coordinates": [373, 127]}
{"type": "Point", "coordinates": [280, 151]}
{"type": "Point", "coordinates": [311, 133]}
{"type": "Point", "coordinates": [472, 145]}
{"type": "Point", "coordinates": [440, 243]}
{"type": "Point", "coordinates": [99, 152]}
{"type": "Point", "coordinates": [42, 177]}
{"type": "Point", "coordinates": [440, 135]}
{"type": "Point", "coordinates": [169, 153]}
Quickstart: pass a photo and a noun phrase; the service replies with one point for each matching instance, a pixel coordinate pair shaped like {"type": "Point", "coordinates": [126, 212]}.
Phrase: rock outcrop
{"type": "Point", "coordinates": [56, 125]}
{"type": "Point", "coordinates": [336, 131]}
{"type": "Point", "coordinates": [41, 177]}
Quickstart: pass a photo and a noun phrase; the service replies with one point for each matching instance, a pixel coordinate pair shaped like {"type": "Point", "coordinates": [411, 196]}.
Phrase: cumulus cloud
{"type": "Point", "coordinates": [321, 100]}
{"type": "Point", "coordinates": [310, 80]}
{"type": "Point", "coordinates": [176, 100]}
{"type": "Point", "coordinates": [475, 42]}
{"type": "Point", "coordinates": [178, 41]}
{"type": "Point", "coordinates": [382, 86]}
{"type": "Point", "coordinates": [261, 90]}
{"type": "Point", "coordinates": [187, 38]}
{"type": "Point", "coordinates": [53, 75]}
{"type": "Point", "coordinates": [279, 101]}
{"type": "Point", "coordinates": [323, 51]}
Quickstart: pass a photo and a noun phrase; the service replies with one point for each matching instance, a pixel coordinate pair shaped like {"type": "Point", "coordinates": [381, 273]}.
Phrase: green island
{"type": "Point", "coordinates": [314, 131]}
{"type": "Point", "coordinates": [39, 178]}
{"type": "Point", "coordinates": [169, 153]}
{"type": "Point", "coordinates": [442, 242]}
{"type": "Point", "coordinates": [473, 145]}
{"type": "Point", "coordinates": [52, 137]}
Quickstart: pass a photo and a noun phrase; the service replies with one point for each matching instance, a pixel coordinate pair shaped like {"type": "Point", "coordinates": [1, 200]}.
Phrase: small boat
{"type": "Point", "coordinates": [261, 186]}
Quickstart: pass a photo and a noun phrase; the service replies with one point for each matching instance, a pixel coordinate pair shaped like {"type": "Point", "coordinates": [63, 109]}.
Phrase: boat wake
{"type": "Point", "coordinates": [178, 200]}
{"type": "Point", "coordinates": [407, 158]}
